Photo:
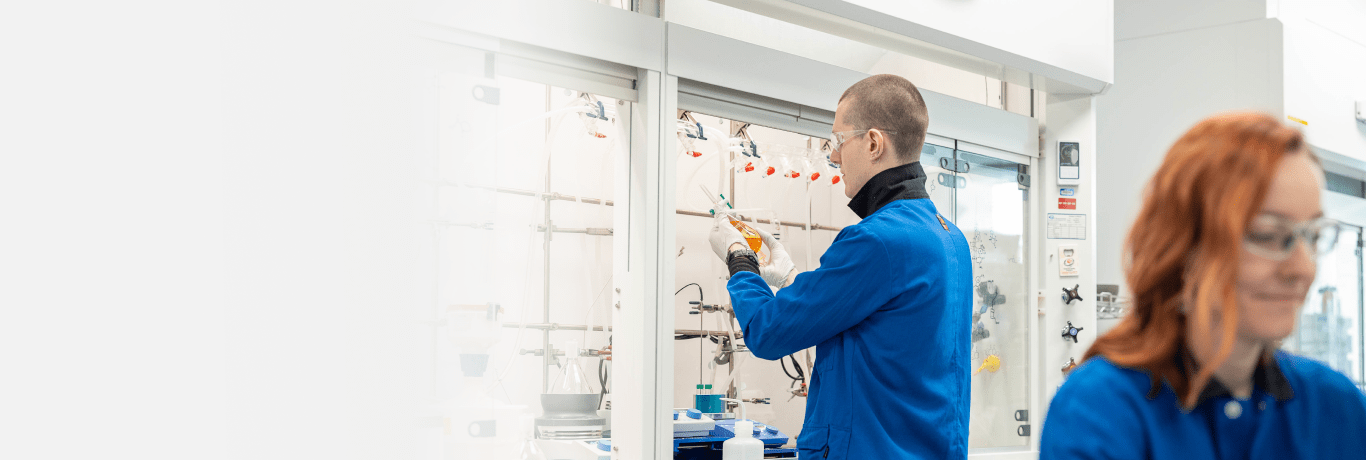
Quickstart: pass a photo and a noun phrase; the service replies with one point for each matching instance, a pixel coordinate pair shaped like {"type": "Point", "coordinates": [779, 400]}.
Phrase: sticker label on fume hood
{"type": "Point", "coordinates": [1067, 203]}
{"type": "Point", "coordinates": [1066, 226]}
{"type": "Point", "coordinates": [1067, 192]}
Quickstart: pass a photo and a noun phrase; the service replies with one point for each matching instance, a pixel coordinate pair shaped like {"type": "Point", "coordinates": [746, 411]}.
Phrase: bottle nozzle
{"type": "Point", "coordinates": [744, 429]}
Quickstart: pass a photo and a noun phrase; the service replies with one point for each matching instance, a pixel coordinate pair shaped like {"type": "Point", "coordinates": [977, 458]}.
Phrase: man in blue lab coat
{"type": "Point", "coordinates": [888, 310]}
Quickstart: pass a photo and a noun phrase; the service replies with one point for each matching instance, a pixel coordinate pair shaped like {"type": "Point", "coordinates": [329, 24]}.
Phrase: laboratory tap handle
{"type": "Point", "coordinates": [1070, 332]}
{"type": "Point", "coordinates": [1070, 295]}
{"type": "Point", "coordinates": [1069, 366]}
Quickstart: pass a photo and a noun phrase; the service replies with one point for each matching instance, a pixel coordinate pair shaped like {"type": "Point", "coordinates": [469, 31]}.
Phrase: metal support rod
{"type": "Point", "coordinates": [766, 221]}
{"type": "Point", "coordinates": [554, 327]}
{"type": "Point", "coordinates": [545, 287]}
{"type": "Point", "coordinates": [731, 179]}
{"type": "Point", "coordinates": [579, 327]}
{"type": "Point", "coordinates": [732, 392]}
{"type": "Point", "coordinates": [810, 222]}
{"type": "Point", "coordinates": [514, 191]}
{"type": "Point", "coordinates": [600, 231]}
{"type": "Point", "coordinates": [561, 197]}
{"type": "Point", "coordinates": [1361, 294]}
{"type": "Point", "coordinates": [590, 230]}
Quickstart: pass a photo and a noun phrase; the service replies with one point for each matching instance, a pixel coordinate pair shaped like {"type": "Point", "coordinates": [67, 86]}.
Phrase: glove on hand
{"type": "Point", "coordinates": [723, 235]}
{"type": "Point", "coordinates": [779, 262]}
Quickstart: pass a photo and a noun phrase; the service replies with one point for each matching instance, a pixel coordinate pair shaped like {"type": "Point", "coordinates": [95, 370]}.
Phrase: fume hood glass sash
{"type": "Point", "coordinates": [530, 178]}
{"type": "Point", "coordinates": [991, 208]}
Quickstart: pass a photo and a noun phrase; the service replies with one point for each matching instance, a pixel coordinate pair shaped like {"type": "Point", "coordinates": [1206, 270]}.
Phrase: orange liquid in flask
{"type": "Point", "coordinates": [752, 236]}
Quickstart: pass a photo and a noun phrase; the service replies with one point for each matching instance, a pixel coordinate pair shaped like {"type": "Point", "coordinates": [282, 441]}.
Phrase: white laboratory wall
{"type": "Point", "coordinates": [323, 279]}
{"type": "Point", "coordinates": [1290, 66]}
{"type": "Point", "coordinates": [1345, 18]}
{"type": "Point", "coordinates": [1325, 75]}
{"type": "Point", "coordinates": [131, 239]}
{"type": "Point", "coordinates": [1165, 84]}
{"type": "Point", "coordinates": [1076, 35]}
{"type": "Point", "coordinates": [1104, 325]}
{"type": "Point", "coordinates": [1142, 18]}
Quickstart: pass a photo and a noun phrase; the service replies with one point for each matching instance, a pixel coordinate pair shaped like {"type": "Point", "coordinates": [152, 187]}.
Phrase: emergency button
{"type": "Point", "coordinates": [1233, 410]}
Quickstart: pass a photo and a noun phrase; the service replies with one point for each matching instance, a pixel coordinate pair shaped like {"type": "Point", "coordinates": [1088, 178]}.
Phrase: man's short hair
{"type": "Point", "coordinates": [890, 103]}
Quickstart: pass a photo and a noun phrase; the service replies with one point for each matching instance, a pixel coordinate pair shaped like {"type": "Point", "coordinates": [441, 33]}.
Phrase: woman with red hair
{"type": "Point", "coordinates": [1219, 260]}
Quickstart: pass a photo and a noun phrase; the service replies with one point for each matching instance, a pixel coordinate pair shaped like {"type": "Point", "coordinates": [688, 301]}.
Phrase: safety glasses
{"type": "Point", "coordinates": [1275, 237]}
{"type": "Point", "coordinates": [839, 138]}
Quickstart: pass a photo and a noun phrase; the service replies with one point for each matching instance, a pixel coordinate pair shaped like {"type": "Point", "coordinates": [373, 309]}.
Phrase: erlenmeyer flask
{"type": "Point", "coordinates": [752, 237]}
{"type": "Point", "coordinates": [571, 407]}
{"type": "Point", "coordinates": [572, 379]}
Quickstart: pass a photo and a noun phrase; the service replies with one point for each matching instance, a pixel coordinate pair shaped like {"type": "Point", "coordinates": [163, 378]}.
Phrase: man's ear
{"type": "Point", "coordinates": [877, 145]}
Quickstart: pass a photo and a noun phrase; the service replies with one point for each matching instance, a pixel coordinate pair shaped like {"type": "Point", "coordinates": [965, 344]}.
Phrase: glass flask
{"type": "Point", "coordinates": [572, 379]}
{"type": "Point", "coordinates": [570, 409]}
{"type": "Point", "coordinates": [752, 236]}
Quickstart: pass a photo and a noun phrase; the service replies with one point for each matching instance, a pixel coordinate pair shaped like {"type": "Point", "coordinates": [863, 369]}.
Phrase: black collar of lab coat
{"type": "Point", "coordinates": [905, 182]}
{"type": "Point", "coordinates": [1268, 377]}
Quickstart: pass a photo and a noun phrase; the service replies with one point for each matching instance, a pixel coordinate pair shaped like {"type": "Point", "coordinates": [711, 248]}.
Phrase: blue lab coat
{"type": "Point", "coordinates": [888, 311]}
{"type": "Point", "coordinates": [1299, 409]}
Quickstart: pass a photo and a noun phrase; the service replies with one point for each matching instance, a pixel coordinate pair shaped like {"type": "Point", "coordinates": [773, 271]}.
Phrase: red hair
{"type": "Point", "coordinates": [1183, 251]}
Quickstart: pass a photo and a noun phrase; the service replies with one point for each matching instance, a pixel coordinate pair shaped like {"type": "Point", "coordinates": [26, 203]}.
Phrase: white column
{"type": "Point", "coordinates": [643, 325]}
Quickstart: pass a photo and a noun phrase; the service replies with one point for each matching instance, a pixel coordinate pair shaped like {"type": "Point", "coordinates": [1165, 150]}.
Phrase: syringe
{"type": "Point", "coordinates": [752, 236]}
